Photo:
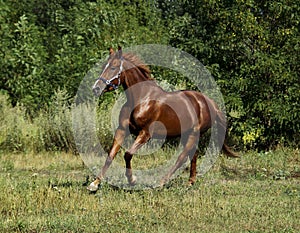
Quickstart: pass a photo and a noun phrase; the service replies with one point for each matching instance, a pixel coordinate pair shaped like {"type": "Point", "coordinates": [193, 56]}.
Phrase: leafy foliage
{"type": "Point", "coordinates": [251, 47]}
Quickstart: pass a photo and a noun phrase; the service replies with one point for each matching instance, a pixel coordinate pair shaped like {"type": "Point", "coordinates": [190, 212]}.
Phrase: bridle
{"type": "Point", "coordinates": [117, 76]}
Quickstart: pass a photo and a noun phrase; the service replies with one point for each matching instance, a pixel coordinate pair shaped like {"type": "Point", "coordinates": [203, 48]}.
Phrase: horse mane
{"type": "Point", "coordinates": [138, 63]}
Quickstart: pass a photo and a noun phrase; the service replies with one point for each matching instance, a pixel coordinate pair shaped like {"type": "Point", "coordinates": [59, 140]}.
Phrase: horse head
{"type": "Point", "coordinates": [110, 77]}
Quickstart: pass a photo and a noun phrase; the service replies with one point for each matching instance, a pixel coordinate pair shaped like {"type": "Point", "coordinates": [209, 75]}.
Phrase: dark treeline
{"type": "Point", "coordinates": [251, 47]}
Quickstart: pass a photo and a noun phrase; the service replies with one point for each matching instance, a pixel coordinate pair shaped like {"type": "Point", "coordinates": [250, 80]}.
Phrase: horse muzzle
{"type": "Point", "coordinates": [97, 91]}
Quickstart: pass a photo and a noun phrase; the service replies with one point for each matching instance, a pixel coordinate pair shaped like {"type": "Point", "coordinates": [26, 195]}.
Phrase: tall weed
{"type": "Point", "coordinates": [51, 130]}
{"type": "Point", "coordinates": [55, 124]}
{"type": "Point", "coordinates": [17, 133]}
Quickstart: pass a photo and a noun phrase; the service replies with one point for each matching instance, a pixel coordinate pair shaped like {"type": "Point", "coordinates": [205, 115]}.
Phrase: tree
{"type": "Point", "coordinates": [49, 45]}
{"type": "Point", "coordinates": [23, 61]}
{"type": "Point", "coordinates": [252, 49]}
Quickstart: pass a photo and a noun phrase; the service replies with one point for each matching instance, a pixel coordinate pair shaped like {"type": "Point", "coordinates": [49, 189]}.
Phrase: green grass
{"type": "Point", "coordinates": [45, 193]}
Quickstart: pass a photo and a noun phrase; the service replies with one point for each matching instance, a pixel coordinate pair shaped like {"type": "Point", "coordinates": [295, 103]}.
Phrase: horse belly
{"type": "Point", "coordinates": [175, 122]}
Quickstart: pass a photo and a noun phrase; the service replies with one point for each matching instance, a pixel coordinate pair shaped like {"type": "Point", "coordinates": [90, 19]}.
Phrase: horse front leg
{"type": "Point", "coordinates": [117, 142]}
{"type": "Point", "coordinates": [141, 139]}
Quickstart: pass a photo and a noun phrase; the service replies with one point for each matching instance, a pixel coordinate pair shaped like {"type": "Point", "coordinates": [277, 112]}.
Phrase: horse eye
{"type": "Point", "coordinates": [113, 68]}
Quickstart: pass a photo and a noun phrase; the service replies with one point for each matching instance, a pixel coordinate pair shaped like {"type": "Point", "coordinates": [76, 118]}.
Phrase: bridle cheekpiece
{"type": "Point", "coordinates": [117, 76]}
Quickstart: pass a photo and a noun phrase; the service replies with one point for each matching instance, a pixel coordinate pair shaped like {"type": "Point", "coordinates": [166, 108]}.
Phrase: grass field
{"type": "Point", "coordinates": [46, 193]}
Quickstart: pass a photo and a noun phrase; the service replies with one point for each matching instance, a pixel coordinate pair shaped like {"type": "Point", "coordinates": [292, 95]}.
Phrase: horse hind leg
{"type": "Point", "coordinates": [193, 169]}
{"type": "Point", "coordinates": [189, 148]}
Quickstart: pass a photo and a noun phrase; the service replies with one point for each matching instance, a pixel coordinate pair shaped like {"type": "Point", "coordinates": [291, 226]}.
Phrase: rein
{"type": "Point", "coordinates": [117, 76]}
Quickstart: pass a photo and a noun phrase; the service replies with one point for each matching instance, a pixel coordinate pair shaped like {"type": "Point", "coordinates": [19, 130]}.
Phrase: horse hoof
{"type": "Point", "coordinates": [189, 184]}
{"type": "Point", "coordinates": [93, 187]}
{"type": "Point", "coordinates": [133, 181]}
{"type": "Point", "coordinates": [162, 183]}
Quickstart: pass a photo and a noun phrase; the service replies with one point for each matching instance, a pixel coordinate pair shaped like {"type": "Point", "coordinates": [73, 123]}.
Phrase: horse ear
{"type": "Point", "coordinates": [111, 51]}
{"type": "Point", "coordinates": [119, 52]}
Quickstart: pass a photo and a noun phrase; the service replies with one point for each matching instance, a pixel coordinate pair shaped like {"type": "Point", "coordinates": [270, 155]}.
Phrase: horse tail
{"type": "Point", "coordinates": [222, 130]}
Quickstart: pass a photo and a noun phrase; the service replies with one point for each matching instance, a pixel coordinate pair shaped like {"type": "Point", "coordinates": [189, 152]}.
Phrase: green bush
{"type": "Point", "coordinates": [55, 124]}
{"type": "Point", "coordinates": [252, 50]}
{"type": "Point", "coordinates": [50, 130]}
{"type": "Point", "coordinates": [251, 47]}
{"type": "Point", "coordinates": [16, 131]}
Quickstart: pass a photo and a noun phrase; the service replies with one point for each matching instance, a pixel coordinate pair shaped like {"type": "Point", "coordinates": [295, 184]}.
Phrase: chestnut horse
{"type": "Point", "coordinates": [187, 113]}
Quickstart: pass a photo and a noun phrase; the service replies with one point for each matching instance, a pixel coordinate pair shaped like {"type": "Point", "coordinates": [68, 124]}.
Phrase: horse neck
{"type": "Point", "coordinates": [133, 76]}
{"type": "Point", "coordinates": [136, 84]}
